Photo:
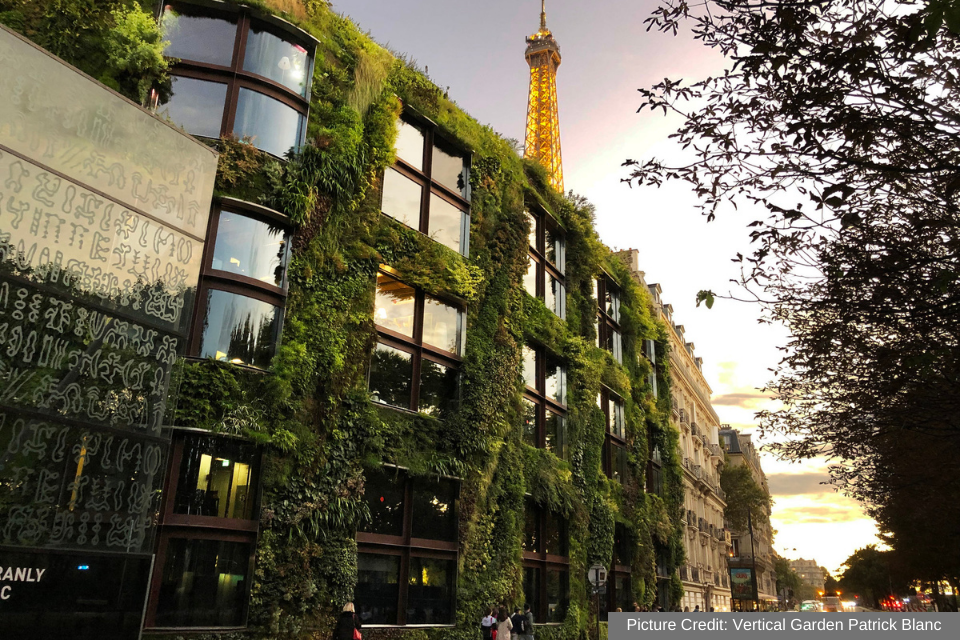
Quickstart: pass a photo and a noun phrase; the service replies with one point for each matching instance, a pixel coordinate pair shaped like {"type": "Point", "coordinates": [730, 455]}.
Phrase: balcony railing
{"type": "Point", "coordinates": [684, 573]}
{"type": "Point", "coordinates": [695, 574]}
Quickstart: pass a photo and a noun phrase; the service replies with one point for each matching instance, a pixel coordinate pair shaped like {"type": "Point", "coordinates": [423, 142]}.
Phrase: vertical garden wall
{"type": "Point", "coordinates": [311, 412]}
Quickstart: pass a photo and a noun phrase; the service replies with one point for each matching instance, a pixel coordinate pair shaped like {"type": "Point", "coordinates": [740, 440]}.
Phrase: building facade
{"type": "Point", "coordinates": [811, 574]}
{"type": "Point", "coordinates": [413, 379]}
{"type": "Point", "coordinates": [753, 549]}
{"type": "Point", "coordinates": [706, 540]}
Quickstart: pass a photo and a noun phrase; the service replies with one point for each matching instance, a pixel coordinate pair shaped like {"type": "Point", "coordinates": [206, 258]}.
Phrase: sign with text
{"type": "Point", "coordinates": [830, 626]}
{"type": "Point", "coordinates": [103, 216]}
{"type": "Point", "coordinates": [742, 584]}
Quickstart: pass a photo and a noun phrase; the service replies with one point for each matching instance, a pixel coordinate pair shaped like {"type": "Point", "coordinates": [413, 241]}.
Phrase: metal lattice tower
{"type": "Point", "coordinates": [543, 118]}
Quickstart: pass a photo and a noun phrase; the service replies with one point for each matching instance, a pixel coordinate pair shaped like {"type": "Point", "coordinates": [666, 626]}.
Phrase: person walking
{"type": "Point", "coordinates": [518, 624]}
{"type": "Point", "coordinates": [488, 624]}
{"type": "Point", "coordinates": [504, 625]}
{"type": "Point", "coordinates": [348, 626]}
{"type": "Point", "coordinates": [528, 614]}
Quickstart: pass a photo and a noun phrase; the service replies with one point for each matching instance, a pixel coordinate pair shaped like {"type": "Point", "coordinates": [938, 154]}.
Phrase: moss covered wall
{"type": "Point", "coordinates": [311, 411]}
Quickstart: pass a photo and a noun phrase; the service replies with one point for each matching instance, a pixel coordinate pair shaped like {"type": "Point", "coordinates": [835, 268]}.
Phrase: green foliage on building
{"type": "Point", "coordinates": [312, 413]}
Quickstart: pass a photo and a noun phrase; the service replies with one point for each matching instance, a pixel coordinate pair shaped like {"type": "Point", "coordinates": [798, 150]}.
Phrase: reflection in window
{"type": "Point", "coordinates": [529, 367]}
{"type": "Point", "coordinates": [401, 198]}
{"type": "Point", "coordinates": [530, 278]}
{"type": "Point", "coordinates": [531, 527]}
{"type": "Point", "coordinates": [615, 418]}
{"type": "Point", "coordinates": [204, 584]}
{"type": "Point", "coordinates": [448, 170]}
{"type": "Point", "coordinates": [384, 495]}
{"type": "Point", "coordinates": [378, 588]}
{"type": "Point", "coordinates": [270, 125]}
{"type": "Point", "coordinates": [555, 540]}
{"type": "Point", "coordinates": [441, 325]}
{"type": "Point", "coordinates": [532, 235]}
{"type": "Point", "coordinates": [555, 388]}
{"type": "Point", "coordinates": [250, 248]}
{"type": "Point", "coordinates": [274, 58]}
{"type": "Point", "coordinates": [197, 106]}
{"type": "Point", "coordinates": [390, 374]}
{"type": "Point", "coordinates": [554, 249]}
{"type": "Point", "coordinates": [555, 438]}
{"type": "Point", "coordinates": [216, 478]}
{"type": "Point", "coordinates": [430, 596]}
{"type": "Point", "coordinates": [558, 594]}
{"type": "Point", "coordinates": [198, 37]}
{"type": "Point", "coordinates": [438, 387]}
{"type": "Point", "coordinates": [410, 144]}
{"type": "Point", "coordinates": [618, 463]}
{"type": "Point", "coordinates": [395, 305]}
{"type": "Point", "coordinates": [446, 222]}
{"type": "Point", "coordinates": [435, 509]}
{"type": "Point", "coordinates": [529, 423]}
{"type": "Point", "coordinates": [531, 591]}
{"type": "Point", "coordinates": [239, 329]}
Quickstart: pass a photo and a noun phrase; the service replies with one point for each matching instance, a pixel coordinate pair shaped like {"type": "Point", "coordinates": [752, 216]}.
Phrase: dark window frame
{"type": "Point", "coordinates": [543, 403]}
{"type": "Point", "coordinates": [428, 185]}
{"type": "Point", "coordinates": [415, 346]}
{"type": "Point", "coordinates": [613, 442]}
{"type": "Point", "coordinates": [179, 526]}
{"type": "Point", "coordinates": [405, 546]}
{"type": "Point", "coordinates": [234, 76]}
{"type": "Point", "coordinates": [215, 279]}
{"type": "Point", "coordinates": [544, 562]}
{"type": "Point", "coordinates": [609, 332]}
{"type": "Point", "coordinates": [537, 254]}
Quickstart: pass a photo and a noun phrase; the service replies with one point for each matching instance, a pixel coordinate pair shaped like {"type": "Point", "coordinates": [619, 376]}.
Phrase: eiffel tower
{"type": "Point", "coordinates": [543, 119]}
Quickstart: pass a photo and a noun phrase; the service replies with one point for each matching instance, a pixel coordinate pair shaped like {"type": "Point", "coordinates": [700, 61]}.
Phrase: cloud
{"type": "Point", "coordinates": [824, 514]}
{"type": "Point", "coordinates": [794, 484]}
{"type": "Point", "coordinates": [744, 400]}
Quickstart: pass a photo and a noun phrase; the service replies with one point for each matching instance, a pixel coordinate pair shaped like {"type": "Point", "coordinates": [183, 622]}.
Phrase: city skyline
{"type": "Point", "coordinates": [600, 129]}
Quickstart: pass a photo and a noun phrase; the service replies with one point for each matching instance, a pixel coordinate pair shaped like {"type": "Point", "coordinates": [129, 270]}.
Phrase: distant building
{"type": "Point", "coordinates": [704, 576]}
{"type": "Point", "coordinates": [754, 551]}
{"type": "Point", "coordinates": [810, 572]}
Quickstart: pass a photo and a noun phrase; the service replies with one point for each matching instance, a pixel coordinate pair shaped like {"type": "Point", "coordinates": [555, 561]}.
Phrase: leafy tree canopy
{"type": "Point", "coordinates": [745, 498]}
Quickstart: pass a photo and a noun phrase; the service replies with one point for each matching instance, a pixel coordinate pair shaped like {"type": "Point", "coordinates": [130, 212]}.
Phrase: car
{"type": "Point", "coordinates": [832, 604]}
{"type": "Point", "coordinates": [810, 605]}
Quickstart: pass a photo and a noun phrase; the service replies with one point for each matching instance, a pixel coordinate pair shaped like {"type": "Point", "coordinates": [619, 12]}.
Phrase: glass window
{"type": "Point", "coordinates": [553, 296]}
{"type": "Point", "coordinates": [448, 170]}
{"type": "Point", "coordinates": [384, 495]}
{"type": "Point", "coordinates": [532, 236]}
{"type": "Point", "coordinates": [555, 534]}
{"type": "Point", "coordinates": [438, 387]}
{"type": "Point", "coordinates": [558, 594]}
{"type": "Point", "coordinates": [530, 278]}
{"type": "Point", "coordinates": [623, 592]}
{"type": "Point", "coordinates": [441, 325]}
{"type": "Point", "coordinates": [395, 305]}
{"type": "Point", "coordinates": [531, 527]}
{"type": "Point", "coordinates": [410, 144]}
{"type": "Point", "coordinates": [198, 37]}
{"type": "Point", "coordinates": [431, 592]}
{"type": "Point", "coordinates": [270, 125]}
{"type": "Point", "coordinates": [446, 222]}
{"type": "Point", "coordinates": [197, 106]}
{"type": "Point", "coordinates": [529, 423]}
{"type": "Point", "coordinates": [531, 589]}
{"type": "Point", "coordinates": [204, 584]}
{"type": "Point", "coordinates": [239, 329]}
{"type": "Point", "coordinates": [615, 418]}
{"type": "Point", "coordinates": [274, 58]}
{"type": "Point", "coordinates": [555, 249]}
{"type": "Point", "coordinates": [216, 478]}
{"type": "Point", "coordinates": [250, 248]}
{"type": "Point", "coordinates": [618, 464]}
{"type": "Point", "coordinates": [378, 588]}
{"type": "Point", "coordinates": [530, 367]}
{"type": "Point", "coordinates": [390, 374]}
{"type": "Point", "coordinates": [622, 546]}
{"type": "Point", "coordinates": [613, 304]}
{"type": "Point", "coordinates": [435, 509]}
{"type": "Point", "coordinates": [401, 198]}
{"type": "Point", "coordinates": [555, 381]}
{"type": "Point", "coordinates": [555, 439]}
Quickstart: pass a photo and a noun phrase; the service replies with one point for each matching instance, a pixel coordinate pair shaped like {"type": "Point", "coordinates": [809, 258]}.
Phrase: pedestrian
{"type": "Point", "coordinates": [711, 610]}
{"type": "Point", "coordinates": [686, 609]}
{"type": "Point", "coordinates": [488, 624]}
{"type": "Point", "coordinates": [518, 624]}
{"type": "Point", "coordinates": [636, 608]}
{"type": "Point", "coordinates": [348, 626]}
{"type": "Point", "coordinates": [504, 626]}
{"type": "Point", "coordinates": [696, 609]}
{"type": "Point", "coordinates": [528, 614]}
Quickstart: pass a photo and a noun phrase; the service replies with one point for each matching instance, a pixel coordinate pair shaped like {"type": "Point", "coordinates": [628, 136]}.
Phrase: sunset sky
{"type": "Point", "coordinates": [476, 49]}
